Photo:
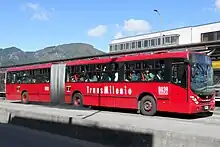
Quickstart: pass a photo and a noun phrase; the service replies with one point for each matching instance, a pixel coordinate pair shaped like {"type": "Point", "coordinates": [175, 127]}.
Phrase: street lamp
{"type": "Point", "coordinates": [161, 41]}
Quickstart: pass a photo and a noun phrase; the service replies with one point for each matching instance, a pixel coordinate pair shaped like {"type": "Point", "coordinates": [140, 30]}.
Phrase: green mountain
{"type": "Point", "coordinates": [13, 55]}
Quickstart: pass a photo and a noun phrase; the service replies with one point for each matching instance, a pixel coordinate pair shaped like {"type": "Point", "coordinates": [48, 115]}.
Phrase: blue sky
{"type": "Point", "coordinates": [33, 25]}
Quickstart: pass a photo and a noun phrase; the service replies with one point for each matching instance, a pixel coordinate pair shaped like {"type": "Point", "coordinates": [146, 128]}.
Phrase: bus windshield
{"type": "Point", "coordinates": [201, 80]}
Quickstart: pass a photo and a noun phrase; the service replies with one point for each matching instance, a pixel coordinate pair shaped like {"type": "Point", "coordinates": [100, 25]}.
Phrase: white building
{"type": "Point", "coordinates": [178, 36]}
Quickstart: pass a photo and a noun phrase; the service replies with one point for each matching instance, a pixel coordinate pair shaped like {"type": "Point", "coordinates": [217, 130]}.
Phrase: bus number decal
{"type": "Point", "coordinates": [163, 90]}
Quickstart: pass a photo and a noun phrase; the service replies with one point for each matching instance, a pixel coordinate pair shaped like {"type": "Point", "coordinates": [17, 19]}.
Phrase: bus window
{"type": "Point", "coordinates": [179, 72]}
{"type": "Point", "coordinates": [115, 72]}
{"type": "Point", "coordinates": [132, 71]}
{"type": "Point", "coordinates": [153, 70]}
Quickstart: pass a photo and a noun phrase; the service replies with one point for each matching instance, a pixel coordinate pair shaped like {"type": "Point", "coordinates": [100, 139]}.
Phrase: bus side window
{"type": "Point", "coordinates": [148, 71]}
{"type": "Point", "coordinates": [11, 78]}
{"type": "Point", "coordinates": [179, 73]}
{"type": "Point", "coordinates": [106, 73]}
{"type": "Point", "coordinates": [115, 72]}
{"type": "Point", "coordinates": [92, 75]}
{"type": "Point", "coordinates": [160, 69]}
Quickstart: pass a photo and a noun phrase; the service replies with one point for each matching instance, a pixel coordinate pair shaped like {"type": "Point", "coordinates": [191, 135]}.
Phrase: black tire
{"type": "Point", "coordinates": [148, 106]}
{"type": "Point", "coordinates": [25, 98]}
{"type": "Point", "coordinates": [77, 100]}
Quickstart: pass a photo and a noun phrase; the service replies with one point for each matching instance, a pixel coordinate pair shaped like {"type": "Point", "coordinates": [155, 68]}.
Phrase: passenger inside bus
{"type": "Point", "coordinates": [148, 76]}
{"type": "Point", "coordinates": [135, 76]}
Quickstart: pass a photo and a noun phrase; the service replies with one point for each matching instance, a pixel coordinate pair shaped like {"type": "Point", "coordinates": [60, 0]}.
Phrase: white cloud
{"type": "Point", "coordinates": [118, 35]}
{"type": "Point", "coordinates": [38, 12]}
{"type": "Point", "coordinates": [136, 26]}
{"type": "Point", "coordinates": [132, 27]}
{"type": "Point", "coordinates": [40, 16]}
{"type": "Point", "coordinates": [33, 6]}
{"type": "Point", "coordinates": [98, 31]}
{"type": "Point", "coordinates": [217, 4]}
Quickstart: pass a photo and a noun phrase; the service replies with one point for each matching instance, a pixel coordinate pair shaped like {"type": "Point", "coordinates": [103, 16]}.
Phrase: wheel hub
{"type": "Point", "coordinates": [147, 106]}
{"type": "Point", "coordinates": [77, 101]}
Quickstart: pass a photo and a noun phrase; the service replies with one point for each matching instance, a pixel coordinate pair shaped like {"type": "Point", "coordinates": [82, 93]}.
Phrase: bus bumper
{"type": "Point", "coordinates": [207, 107]}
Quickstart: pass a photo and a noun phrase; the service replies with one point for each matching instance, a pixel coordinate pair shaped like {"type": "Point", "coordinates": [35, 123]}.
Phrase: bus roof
{"type": "Point", "coordinates": [28, 67]}
{"type": "Point", "coordinates": [134, 57]}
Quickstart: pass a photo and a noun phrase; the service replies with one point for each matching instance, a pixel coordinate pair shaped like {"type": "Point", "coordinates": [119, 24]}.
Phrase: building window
{"type": "Point", "coordinates": [158, 41]}
{"type": "Point", "coordinates": [163, 40]}
{"type": "Point", "coordinates": [174, 39]}
{"type": "Point", "coordinates": [127, 45]}
{"type": "Point", "coordinates": [110, 48]}
{"type": "Point", "coordinates": [133, 44]}
{"type": "Point", "coordinates": [121, 46]}
{"type": "Point", "coordinates": [145, 43]}
{"type": "Point", "coordinates": [218, 35]}
{"type": "Point", "coordinates": [167, 40]}
{"type": "Point", "coordinates": [139, 44]}
{"type": "Point", "coordinates": [116, 47]}
{"type": "Point", "coordinates": [210, 36]}
{"type": "Point", "coordinates": [153, 42]}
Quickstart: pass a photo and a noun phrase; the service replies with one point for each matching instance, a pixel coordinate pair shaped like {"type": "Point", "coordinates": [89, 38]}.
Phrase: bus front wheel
{"type": "Point", "coordinates": [148, 106]}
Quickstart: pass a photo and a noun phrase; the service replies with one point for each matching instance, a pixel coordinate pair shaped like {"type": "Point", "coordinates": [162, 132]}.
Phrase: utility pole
{"type": "Point", "coordinates": [161, 37]}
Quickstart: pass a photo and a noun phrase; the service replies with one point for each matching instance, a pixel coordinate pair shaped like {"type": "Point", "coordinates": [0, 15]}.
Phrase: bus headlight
{"type": "Point", "coordinates": [194, 99]}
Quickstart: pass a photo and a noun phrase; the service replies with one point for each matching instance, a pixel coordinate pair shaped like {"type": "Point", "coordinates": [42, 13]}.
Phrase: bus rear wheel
{"type": "Point", "coordinates": [24, 97]}
{"type": "Point", "coordinates": [148, 106]}
{"type": "Point", "coordinates": [78, 100]}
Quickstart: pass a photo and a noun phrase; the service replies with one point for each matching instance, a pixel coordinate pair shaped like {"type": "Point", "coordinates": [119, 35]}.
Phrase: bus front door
{"type": "Point", "coordinates": [57, 84]}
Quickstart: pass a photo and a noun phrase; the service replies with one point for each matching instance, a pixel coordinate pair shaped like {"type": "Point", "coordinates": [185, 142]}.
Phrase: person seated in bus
{"type": "Point", "coordinates": [135, 76]}
{"type": "Point", "coordinates": [93, 77]}
{"type": "Point", "coordinates": [159, 76]}
{"type": "Point", "coordinates": [75, 78]}
{"type": "Point", "coordinates": [47, 79]}
{"type": "Point", "coordinates": [82, 75]}
{"type": "Point", "coordinates": [34, 80]}
{"type": "Point", "coordinates": [148, 76]}
{"type": "Point", "coordinates": [86, 77]}
{"type": "Point", "coordinates": [128, 76]}
{"type": "Point", "coordinates": [105, 75]}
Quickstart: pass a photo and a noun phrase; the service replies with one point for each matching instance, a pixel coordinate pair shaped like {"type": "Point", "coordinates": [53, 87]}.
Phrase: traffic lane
{"type": "Point", "coordinates": [23, 137]}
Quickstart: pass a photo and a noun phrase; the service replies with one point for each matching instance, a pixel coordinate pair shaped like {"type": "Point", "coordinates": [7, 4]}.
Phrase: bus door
{"type": "Point", "coordinates": [179, 84]}
{"type": "Point", "coordinates": [172, 93]}
{"type": "Point", "coordinates": [162, 74]}
{"type": "Point", "coordinates": [57, 83]}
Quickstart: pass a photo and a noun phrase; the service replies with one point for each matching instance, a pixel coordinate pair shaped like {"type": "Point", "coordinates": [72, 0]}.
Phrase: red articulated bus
{"type": "Point", "coordinates": [180, 82]}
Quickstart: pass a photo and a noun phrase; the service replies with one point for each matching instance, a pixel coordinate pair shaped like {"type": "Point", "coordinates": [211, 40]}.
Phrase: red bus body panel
{"type": "Point", "coordinates": [174, 100]}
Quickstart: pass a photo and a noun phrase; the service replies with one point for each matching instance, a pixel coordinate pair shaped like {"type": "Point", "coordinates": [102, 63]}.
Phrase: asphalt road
{"type": "Point", "coordinates": [14, 136]}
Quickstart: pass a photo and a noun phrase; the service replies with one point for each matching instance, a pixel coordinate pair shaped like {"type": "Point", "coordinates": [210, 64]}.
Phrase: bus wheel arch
{"type": "Point", "coordinates": [77, 99]}
{"type": "Point", "coordinates": [24, 97]}
{"type": "Point", "coordinates": [147, 104]}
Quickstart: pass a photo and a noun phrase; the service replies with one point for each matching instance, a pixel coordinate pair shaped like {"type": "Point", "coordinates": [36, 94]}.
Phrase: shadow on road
{"type": "Point", "coordinates": [93, 134]}
{"type": "Point", "coordinates": [160, 114]}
